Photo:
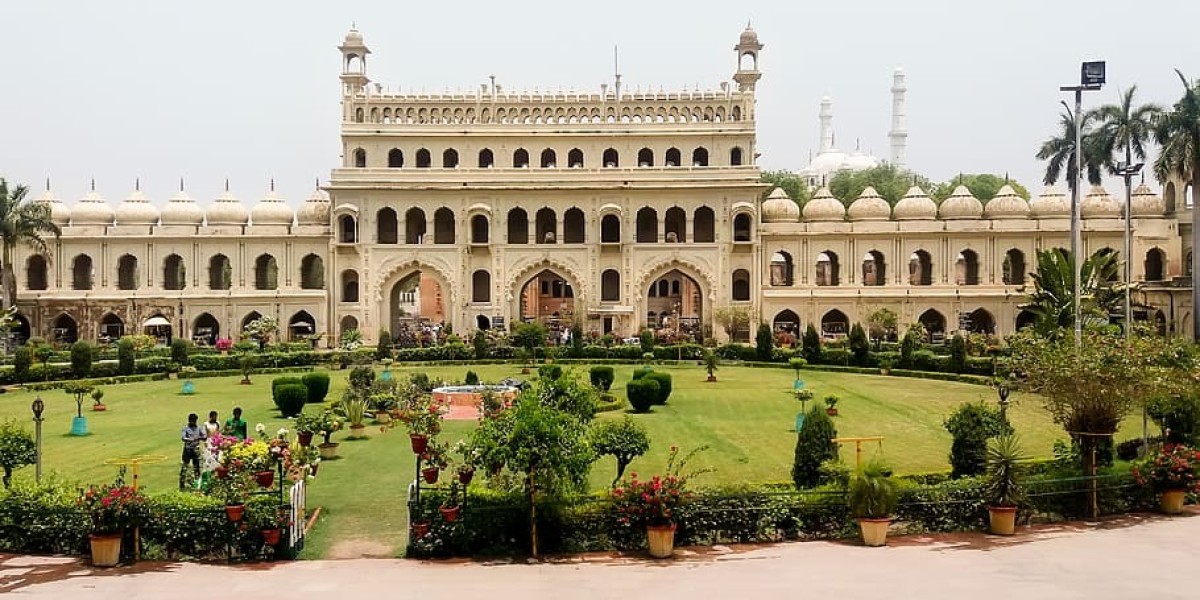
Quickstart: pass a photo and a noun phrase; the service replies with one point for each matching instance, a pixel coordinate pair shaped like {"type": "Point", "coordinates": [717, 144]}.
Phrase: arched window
{"type": "Point", "coordinates": [81, 272]}
{"type": "Point", "coordinates": [387, 226]}
{"type": "Point", "coordinates": [481, 286]}
{"type": "Point", "coordinates": [423, 159]}
{"type": "Point", "coordinates": [1014, 267]}
{"type": "Point", "coordinates": [520, 158]}
{"type": "Point", "coordinates": [220, 272]}
{"type": "Point", "coordinates": [920, 268]}
{"type": "Point", "coordinates": [35, 273]}
{"type": "Point", "coordinates": [645, 157]}
{"type": "Point", "coordinates": [828, 269]}
{"type": "Point", "coordinates": [518, 226]}
{"type": "Point", "coordinates": [127, 272]}
{"type": "Point", "coordinates": [786, 321]}
{"type": "Point", "coordinates": [610, 286]}
{"type": "Point", "coordinates": [479, 229]}
{"type": "Point", "coordinates": [1169, 197]}
{"type": "Point", "coordinates": [349, 323]}
{"type": "Point", "coordinates": [981, 321]}
{"type": "Point", "coordinates": [266, 273]}
{"type": "Point", "coordinates": [835, 323]}
{"type": "Point", "coordinates": [741, 285]}
{"type": "Point", "coordinates": [546, 227]}
{"type": "Point", "coordinates": [301, 324]}
{"type": "Point", "coordinates": [874, 271]}
{"type": "Point", "coordinates": [574, 229]}
{"type": "Point", "coordinates": [673, 157]}
{"type": "Point", "coordinates": [967, 267]}
{"type": "Point", "coordinates": [781, 269]}
{"type": "Point", "coordinates": [664, 288]}
{"type": "Point", "coordinates": [934, 324]}
{"type": "Point", "coordinates": [65, 329]}
{"type": "Point", "coordinates": [312, 273]}
{"type": "Point", "coordinates": [611, 158]}
{"type": "Point", "coordinates": [575, 158]}
{"type": "Point", "coordinates": [486, 159]}
{"type": "Point", "coordinates": [443, 226]}
{"type": "Point", "coordinates": [111, 327]}
{"type": "Point", "coordinates": [647, 225]}
{"type": "Point", "coordinates": [360, 158]}
{"type": "Point", "coordinates": [414, 226]}
{"type": "Point", "coordinates": [735, 157]}
{"type": "Point", "coordinates": [349, 285]}
{"type": "Point", "coordinates": [704, 224]}
{"type": "Point", "coordinates": [741, 227]}
{"type": "Point", "coordinates": [610, 229]}
{"type": "Point", "coordinates": [1025, 319]}
{"type": "Point", "coordinates": [347, 229]}
{"type": "Point", "coordinates": [549, 158]}
{"type": "Point", "coordinates": [1155, 261]}
{"type": "Point", "coordinates": [174, 273]}
{"type": "Point", "coordinates": [675, 224]}
{"type": "Point", "coordinates": [700, 157]}
{"type": "Point", "coordinates": [450, 158]}
{"type": "Point", "coordinates": [395, 158]}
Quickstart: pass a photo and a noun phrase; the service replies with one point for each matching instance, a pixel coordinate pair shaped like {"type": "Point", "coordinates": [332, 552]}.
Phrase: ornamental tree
{"type": "Point", "coordinates": [17, 448]}
{"type": "Point", "coordinates": [623, 440]}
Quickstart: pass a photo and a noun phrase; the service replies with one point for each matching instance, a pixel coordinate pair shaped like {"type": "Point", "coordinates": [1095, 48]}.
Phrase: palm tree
{"type": "Point", "coordinates": [1124, 127]}
{"type": "Point", "coordinates": [22, 221]}
{"type": "Point", "coordinates": [1178, 133]}
{"type": "Point", "coordinates": [1052, 299]}
{"type": "Point", "coordinates": [1060, 150]}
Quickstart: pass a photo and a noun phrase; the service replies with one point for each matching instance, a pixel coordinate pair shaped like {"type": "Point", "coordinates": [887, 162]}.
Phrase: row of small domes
{"type": "Point", "coordinates": [181, 209]}
{"type": "Point", "coordinates": [917, 205]}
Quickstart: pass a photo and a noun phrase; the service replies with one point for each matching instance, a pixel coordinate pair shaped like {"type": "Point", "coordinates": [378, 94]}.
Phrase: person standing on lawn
{"type": "Point", "coordinates": [192, 435]}
{"type": "Point", "coordinates": [235, 425]}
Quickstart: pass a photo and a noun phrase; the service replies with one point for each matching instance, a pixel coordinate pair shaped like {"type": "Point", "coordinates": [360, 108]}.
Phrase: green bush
{"type": "Point", "coordinates": [480, 343]}
{"type": "Point", "coordinates": [873, 493]}
{"type": "Point", "coordinates": [601, 377]}
{"type": "Point", "coordinates": [814, 446]}
{"type": "Point", "coordinates": [860, 346]}
{"type": "Point", "coordinates": [317, 385]}
{"type": "Point", "coordinates": [1178, 416]}
{"type": "Point", "coordinates": [642, 371]}
{"type": "Point", "coordinates": [472, 378]}
{"type": "Point", "coordinates": [290, 398]}
{"type": "Point", "coordinates": [646, 338]}
{"type": "Point", "coordinates": [362, 377]}
{"type": "Point", "coordinates": [664, 385]}
{"type": "Point", "coordinates": [279, 382]}
{"type": "Point", "coordinates": [642, 394]}
{"type": "Point", "coordinates": [958, 354]}
{"type": "Point", "coordinates": [810, 344]}
{"type": "Point", "coordinates": [181, 351]}
{"type": "Point", "coordinates": [552, 372]}
{"type": "Point", "coordinates": [81, 359]}
{"type": "Point", "coordinates": [126, 357]}
{"type": "Point", "coordinates": [971, 425]}
{"type": "Point", "coordinates": [764, 342]}
{"type": "Point", "coordinates": [383, 349]}
{"type": "Point", "coordinates": [22, 360]}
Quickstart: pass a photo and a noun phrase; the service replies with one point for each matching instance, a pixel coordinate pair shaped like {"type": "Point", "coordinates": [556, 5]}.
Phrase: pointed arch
{"type": "Point", "coordinates": [486, 158]}
{"type": "Point", "coordinates": [786, 321]}
{"type": "Point", "coordinates": [740, 285]}
{"type": "Point", "coordinates": [414, 226]}
{"type": "Point", "coordinates": [675, 225]}
{"type": "Point", "coordinates": [81, 272]}
{"type": "Point", "coordinates": [647, 225]}
{"type": "Point", "coordinates": [127, 272]}
{"type": "Point", "coordinates": [610, 229]}
{"type": "Point", "coordinates": [395, 158]}
{"type": "Point", "coordinates": [829, 271]}
{"type": "Point", "coordinates": [387, 226]}
{"type": "Point", "coordinates": [300, 325]}
{"type": "Point", "coordinates": [920, 268]}
{"type": "Point", "coordinates": [220, 272]}
{"type": "Point", "coordinates": [574, 226]}
{"type": "Point", "coordinates": [424, 160]}
{"type": "Point", "coordinates": [349, 286]}
{"type": "Point", "coordinates": [443, 226]}
{"type": "Point", "coordinates": [36, 273]}
{"type": "Point", "coordinates": [266, 273]}
{"type": "Point", "coordinates": [174, 273]}
{"type": "Point", "coordinates": [312, 272]}
{"type": "Point", "coordinates": [835, 323]}
{"type": "Point", "coordinates": [480, 229]}
{"type": "Point", "coordinates": [704, 228]}
{"type": "Point", "coordinates": [112, 327]}
{"type": "Point", "coordinates": [518, 226]}
{"type": "Point", "coordinates": [206, 330]}
{"type": "Point", "coordinates": [347, 229]}
{"type": "Point", "coordinates": [1014, 267]}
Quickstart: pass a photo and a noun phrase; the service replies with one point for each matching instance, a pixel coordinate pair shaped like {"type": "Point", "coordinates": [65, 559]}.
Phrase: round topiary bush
{"type": "Point", "coordinates": [279, 382]}
{"type": "Point", "coordinates": [181, 351]}
{"type": "Point", "coordinates": [290, 398]}
{"type": "Point", "coordinates": [642, 394]}
{"type": "Point", "coordinates": [664, 384]}
{"type": "Point", "coordinates": [472, 378]}
{"type": "Point", "coordinates": [126, 355]}
{"type": "Point", "coordinates": [317, 385]}
{"type": "Point", "coordinates": [552, 372]}
{"type": "Point", "coordinates": [601, 377]}
{"type": "Point", "coordinates": [22, 360]}
{"type": "Point", "coordinates": [642, 372]}
{"type": "Point", "coordinates": [81, 359]}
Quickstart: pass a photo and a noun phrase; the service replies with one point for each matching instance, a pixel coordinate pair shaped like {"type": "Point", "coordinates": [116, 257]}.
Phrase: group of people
{"type": "Point", "coordinates": [418, 334]}
{"type": "Point", "coordinates": [197, 437]}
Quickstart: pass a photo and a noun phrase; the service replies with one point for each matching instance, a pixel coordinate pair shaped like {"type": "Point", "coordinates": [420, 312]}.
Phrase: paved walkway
{"type": "Point", "coordinates": [1141, 556]}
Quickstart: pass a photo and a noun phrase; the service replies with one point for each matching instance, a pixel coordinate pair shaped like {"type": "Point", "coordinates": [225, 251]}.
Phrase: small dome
{"type": "Point", "coordinates": [353, 37]}
{"type": "Point", "coordinates": [1099, 205]}
{"type": "Point", "coordinates": [92, 210]}
{"type": "Point", "coordinates": [870, 206]}
{"type": "Point", "coordinates": [779, 208]}
{"type": "Point", "coordinates": [272, 210]}
{"type": "Point", "coordinates": [1006, 205]}
{"type": "Point", "coordinates": [59, 213]}
{"type": "Point", "coordinates": [181, 209]}
{"type": "Point", "coordinates": [1145, 203]}
{"type": "Point", "coordinates": [824, 207]}
{"type": "Point", "coordinates": [916, 205]}
{"type": "Point", "coordinates": [961, 205]}
{"type": "Point", "coordinates": [1051, 203]}
{"type": "Point", "coordinates": [227, 210]}
{"type": "Point", "coordinates": [748, 37]}
{"type": "Point", "coordinates": [315, 210]}
{"type": "Point", "coordinates": [137, 210]}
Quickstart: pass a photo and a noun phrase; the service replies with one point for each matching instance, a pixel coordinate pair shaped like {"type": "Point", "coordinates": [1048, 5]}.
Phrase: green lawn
{"type": "Point", "coordinates": [746, 418]}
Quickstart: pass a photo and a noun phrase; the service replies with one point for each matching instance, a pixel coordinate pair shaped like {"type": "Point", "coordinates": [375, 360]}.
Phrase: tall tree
{"type": "Point", "coordinates": [891, 183]}
{"type": "Point", "coordinates": [1059, 150]}
{"type": "Point", "coordinates": [790, 182]}
{"type": "Point", "coordinates": [1123, 129]}
{"type": "Point", "coordinates": [22, 221]}
{"type": "Point", "coordinates": [1177, 131]}
{"type": "Point", "coordinates": [983, 186]}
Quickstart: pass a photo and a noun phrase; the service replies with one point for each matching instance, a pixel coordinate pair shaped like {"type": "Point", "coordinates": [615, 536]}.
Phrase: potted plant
{"type": "Point", "coordinates": [79, 391]}
{"type": "Point", "coordinates": [710, 364]}
{"type": "Point", "coordinates": [113, 509]}
{"type": "Point", "coordinates": [327, 423]}
{"type": "Point", "coordinates": [653, 503]}
{"type": "Point", "coordinates": [424, 422]}
{"type": "Point", "coordinates": [831, 402]}
{"type": "Point", "coordinates": [269, 521]}
{"type": "Point", "coordinates": [450, 506]}
{"type": "Point", "coordinates": [232, 490]}
{"type": "Point", "coordinates": [1172, 472]}
{"type": "Point", "coordinates": [383, 404]}
{"type": "Point", "coordinates": [466, 467]}
{"type": "Point", "coordinates": [306, 426]}
{"type": "Point", "coordinates": [885, 366]}
{"type": "Point", "coordinates": [97, 396]}
{"type": "Point", "coordinates": [420, 529]}
{"type": "Point", "coordinates": [872, 498]}
{"type": "Point", "coordinates": [355, 409]}
{"type": "Point", "coordinates": [247, 365]}
{"type": "Point", "coordinates": [433, 460]}
{"type": "Point", "coordinates": [172, 369]}
{"type": "Point", "coordinates": [1004, 487]}
{"type": "Point", "coordinates": [795, 364]}
{"type": "Point", "coordinates": [523, 356]}
{"type": "Point", "coordinates": [223, 345]}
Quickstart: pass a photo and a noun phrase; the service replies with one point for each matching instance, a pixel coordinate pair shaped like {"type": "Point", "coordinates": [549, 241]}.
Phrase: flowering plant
{"type": "Point", "coordinates": [654, 501]}
{"type": "Point", "coordinates": [279, 447]}
{"type": "Point", "coordinates": [224, 344]}
{"type": "Point", "coordinates": [1174, 467]}
{"type": "Point", "coordinates": [424, 418]}
{"type": "Point", "coordinates": [436, 455]}
{"type": "Point", "coordinates": [250, 455]}
{"type": "Point", "coordinates": [113, 507]}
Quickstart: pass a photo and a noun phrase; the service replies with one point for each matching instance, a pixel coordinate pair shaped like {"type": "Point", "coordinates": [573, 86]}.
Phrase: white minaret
{"type": "Point", "coordinates": [899, 132]}
{"type": "Point", "coordinates": [826, 124]}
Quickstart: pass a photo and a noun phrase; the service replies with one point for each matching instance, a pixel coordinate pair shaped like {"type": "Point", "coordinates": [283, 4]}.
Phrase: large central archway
{"type": "Point", "coordinates": [550, 299]}
{"type": "Point", "coordinates": [416, 309]}
{"type": "Point", "coordinates": [674, 306]}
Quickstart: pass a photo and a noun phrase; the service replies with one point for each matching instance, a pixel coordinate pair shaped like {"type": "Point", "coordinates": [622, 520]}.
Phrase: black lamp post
{"type": "Point", "coordinates": [1091, 78]}
{"type": "Point", "coordinates": [1003, 390]}
{"type": "Point", "coordinates": [38, 407]}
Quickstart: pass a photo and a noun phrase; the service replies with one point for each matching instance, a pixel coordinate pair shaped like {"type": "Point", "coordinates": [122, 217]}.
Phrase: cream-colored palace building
{"type": "Point", "coordinates": [615, 209]}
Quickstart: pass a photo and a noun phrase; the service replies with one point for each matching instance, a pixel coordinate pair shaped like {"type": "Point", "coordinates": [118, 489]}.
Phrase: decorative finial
{"type": "Point", "coordinates": [1006, 177]}
{"type": "Point", "coordinates": [1143, 181]}
{"type": "Point", "coordinates": [137, 184]}
{"type": "Point", "coordinates": [93, 184]}
{"type": "Point", "coordinates": [272, 184]}
{"type": "Point", "coordinates": [48, 183]}
{"type": "Point", "coordinates": [317, 183]}
{"type": "Point", "coordinates": [181, 184]}
{"type": "Point", "coordinates": [226, 184]}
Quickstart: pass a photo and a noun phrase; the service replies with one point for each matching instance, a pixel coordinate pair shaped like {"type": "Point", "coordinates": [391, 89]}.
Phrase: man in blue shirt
{"type": "Point", "coordinates": [192, 435]}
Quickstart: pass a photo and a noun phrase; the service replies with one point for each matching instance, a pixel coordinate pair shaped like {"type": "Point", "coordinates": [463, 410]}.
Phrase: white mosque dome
{"type": "Point", "coordinates": [315, 210]}
{"type": "Point", "coordinates": [1099, 205]}
{"type": "Point", "coordinates": [227, 210]}
{"type": "Point", "coordinates": [137, 210]}
{"type": "Point", "coordinates": [916, 205]}
{"type": "Point", "coordinates": [961, 205]}
{"type": "Point", "coordinates": [59, 213]}
{"type": "Point", "coordinates": [1007, 204]}
{"type": "Point", "coordinates": [870, 206]}
{"type": "Point", "coordinates": [1051, 203]}
{"type": "Point", "coordinates": [779, 208]}
{"type": "Point", "coordinates": [857, 161]}
{"type": "Point", "coordinates": [92, 210]}
{"type": "Point", "coordinates": [272, 210]}
{"type": "Point", "coordinates": [824, 207]}
{"type": "Point", "coordinates": [181, 209]}
{"type": "Point", "coordinates": [1145, 203]}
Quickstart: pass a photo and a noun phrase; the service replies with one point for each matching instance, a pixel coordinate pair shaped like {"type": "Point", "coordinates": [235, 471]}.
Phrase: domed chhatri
{"type": "Point", "coordinates": [779, 208]}
{"type": "Point", "coordinates": [870, 206]}
{"type": "Point", "coordinates": [824, 207]}
{"type": "Point", "coordinates": [1051, 203]}
{"type": "Point", "coordinates": [1145, 203]}
{"type": "Point", "coordinates": [916, 205]}
{"type": "Point", "coordinates": [748, 37]}
{"type": "Point", "coordinates": [59, 213]}
{"type": "Point", "coordinates": [92, 210]}
{"type": "Point", "coordinates": [181, 209]}
{"type": "Point", "coordinates": [961, 205]}
{"type": "Point", "coordinates": [1006, 205]}
{"type": "Point", "coordinates": [227, 210]}
{"type": "Point", "coordinates": [1099, 205]}
{"type": "Point", "coordinates": [315, 210]}
{"type": "Point", "coordinates": [137, 210]}
{"type": "Point", "coordinates": [272, 210]}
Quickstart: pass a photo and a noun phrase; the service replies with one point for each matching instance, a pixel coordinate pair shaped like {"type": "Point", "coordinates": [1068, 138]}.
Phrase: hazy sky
{"type": "Point", "coordinates": [249, 90]}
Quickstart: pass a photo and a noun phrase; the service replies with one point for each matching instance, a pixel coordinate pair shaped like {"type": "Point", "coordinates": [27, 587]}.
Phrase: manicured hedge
{"type": "Point", "coordinates": [642, 394]}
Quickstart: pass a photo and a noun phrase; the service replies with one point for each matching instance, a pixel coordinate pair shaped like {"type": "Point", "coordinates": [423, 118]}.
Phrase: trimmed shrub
{"type": "Point", "coordinates": [641, 372]}
{"type": "Point", "coordinates": [290, 398]}
{"type": "Point", "coordinates": [764, 342]}
{"type": "Point", "coordinates": [810, 345]}
{"type": "Point", "coordinates": [126, 357]}
{"type": "Point", "coordinates": [181, 351]}
{"type": "Point", "coordinates": [601, 377]}
{"type": "Point", "coordinates": [480, 343]}
{"type": "Point", "coordinates": [664, 385]}
{"type": "Point", "coordinates": [860, 346]}
{"type": "Point", "coordinates": [384, 348]}
{"type": "Point", "coordinates": [471, 379]}
{"type": "Point", "coordinates": [279, 382]}
{"type": "Point", "coordinates": [642, 394]}
{"type": "Point", "coordinates": [22, 360]}
{"type": "Point", "coordinates": [814, 446]}
{"type": "Point", "coordinates": [81, 359]}
{"type": "Point", "coordinates": [958, 354]}
{"type": "Point", "coordinates": [362, 377]}
{"type": "Point", "coordinates": [646, 337]}
{"type": "Point", "coordinates": [551, 372]}
{"type": "Point", "coordinates": [317, 385]}
{"type": "Point", "coordinates": [972, 424]}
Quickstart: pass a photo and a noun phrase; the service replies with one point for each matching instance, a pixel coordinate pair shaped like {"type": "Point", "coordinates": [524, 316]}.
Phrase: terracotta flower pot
{"type": "Point", "coordinates": [1171, 501]}
{"type": "Point", "coordinates": [420, 530]}
{"type": "Point", "coordinates": [712, 378]}
{"type": "Point", "coordinates": [265, 478]}
{"type": "Point", "coordinates": [383, 417]}
{"type": "Point", "coordinates": [466, 475]}
{"type": "Point", "coordinates": [99, 407]}
{"type": "Point", "coordinates": [431, 474]}
{"type": "Point", "coordinates": [235, 512]}
{"type": "Point", "coordinates": [328, 451]}
{"type": "Point", "coordinates": [1002, 520]}
{"type": "Point", "coordinates": [106, 549]}
{"type": "Point", "coordinates": [874, 531]}
{"type": "Point", "coordinates": [305, 438]}
{"type": "Point", "coordinates": [450, 514]}
{"type": "Point", "coordinates": [419, 443]}
{"type": "Point", "coordinates": [833, 412]}
{"type": "Point", "coordinates": [272, 536]}
{"type": "Point", "coordinates": [661, 540]}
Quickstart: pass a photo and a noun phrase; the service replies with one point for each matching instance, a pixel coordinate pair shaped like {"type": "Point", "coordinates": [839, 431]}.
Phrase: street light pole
{"type": "Point", "coordinates": [38, 406]}
{"type": "Point", "coordinates": [1128, 171]}
{"type": "Point", "coordinates": [1091, 78]}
